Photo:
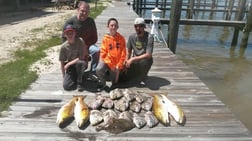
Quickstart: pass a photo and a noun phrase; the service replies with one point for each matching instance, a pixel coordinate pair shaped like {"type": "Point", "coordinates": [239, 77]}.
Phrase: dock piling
{"type": "Point", "coordinates": [247, 29]}
{"type": "Point", "coordinates": [174, 24]}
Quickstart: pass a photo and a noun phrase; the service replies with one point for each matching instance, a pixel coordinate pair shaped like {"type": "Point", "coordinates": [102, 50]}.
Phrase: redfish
{"type": "Point", "coordinates": [81, 111]}
{"type": "Point", "coordinates": [164, 106]}
{"type": "Point", "coordinates": [65, 113]}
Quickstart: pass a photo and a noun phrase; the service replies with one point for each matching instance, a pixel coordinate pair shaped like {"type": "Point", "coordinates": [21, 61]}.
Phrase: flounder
{"type": "Point", "coordinates": [116, 126]}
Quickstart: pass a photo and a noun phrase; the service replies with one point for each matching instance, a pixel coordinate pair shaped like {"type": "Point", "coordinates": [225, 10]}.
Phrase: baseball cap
{"type": "Point", "coordinates": [69, 27]}
{"type": "Point", "coordinates": [139, 21]}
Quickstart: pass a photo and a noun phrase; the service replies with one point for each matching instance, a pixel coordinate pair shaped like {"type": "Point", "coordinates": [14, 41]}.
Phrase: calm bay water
{"type": "Point", "coordinates": [227, 73]}
{"type": "Point", "coordinates": [224, 69]}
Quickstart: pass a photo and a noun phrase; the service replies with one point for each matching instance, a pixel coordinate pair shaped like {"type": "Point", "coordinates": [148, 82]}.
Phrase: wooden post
{"type": "Point", "coordinates": [225, 7]}
{"type": "Point", "coordinates": [140, 8]}
{"type": "Point", "coordinates": [212, 7]}
{"type": "Point", "coordinates": [134, 5]}
{"type": "Point", "coordinates": [190, 12]}
{"type": "Point", "coordinates": [238, 17]}
{"type": "Point", "coordinates": [164, 10]}
{"type": "Point", "coordinates": [144, 5]}
{"type": "Point", "coordinates": [156, 5]}
{"type": "Point", "coordinates": [137, 7]}
{"type": "Point", "coordinates": [198, 4]}
{"type": "Point", "coordinates": [247, 29]}
{"type": "Point", "coordinates": [230, 7]}
{"type": "Point", "coordinates": [174, 24]}
{"type": "Point", "coordinates": [205, 4]}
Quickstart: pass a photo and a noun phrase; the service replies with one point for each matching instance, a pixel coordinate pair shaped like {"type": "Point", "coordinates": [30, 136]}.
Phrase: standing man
{"type": "Point", "coordinates": [139, 48]}
{"type": "Point", "coordinates": [86, 29]}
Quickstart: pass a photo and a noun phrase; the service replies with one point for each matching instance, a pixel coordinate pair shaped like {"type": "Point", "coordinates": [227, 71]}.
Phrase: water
{"type": "Point", "coordinates": [227, 73]}
{"type": "Point", "coordinates": [226, 70]}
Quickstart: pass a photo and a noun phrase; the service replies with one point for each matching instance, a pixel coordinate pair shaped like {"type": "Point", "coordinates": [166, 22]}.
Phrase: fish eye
{"type": "Point", "coordinates": [163, 101]}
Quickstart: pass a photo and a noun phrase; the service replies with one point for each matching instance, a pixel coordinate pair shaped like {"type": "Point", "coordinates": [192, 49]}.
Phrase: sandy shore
{"type": "Point", "coordinates": [19, 29]}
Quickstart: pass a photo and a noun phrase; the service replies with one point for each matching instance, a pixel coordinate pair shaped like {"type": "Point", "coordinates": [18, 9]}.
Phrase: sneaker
{"type": "Point", "coordinates": [80, 88]}
{"type": "Point", "coordinates": [93, 77]}
{"type": "Point", "coordinates": [100, 87]}
{"type": "Point", "coordinates": [143, 83]}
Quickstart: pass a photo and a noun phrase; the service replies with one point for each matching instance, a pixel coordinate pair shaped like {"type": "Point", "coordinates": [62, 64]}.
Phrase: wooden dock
{"type": "Point", "coordinates": [33, 115]}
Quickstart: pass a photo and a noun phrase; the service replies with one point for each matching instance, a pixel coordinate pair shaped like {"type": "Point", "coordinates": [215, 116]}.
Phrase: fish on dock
{"type": "Point", "coordinates": [108, 103]}
{"type": "Point", "coordinates": [128, 94]}
{"type": "Point", "coordinates": [121, 104]}
{"type": "Point", "coordinates": [116, 126]}
{"type": "Point", "coordinates": [108, 114]}
{"type": "Point", "coordinates": [164, 106]}
{"type": "Point", "coordinates": [150, 119]}
{"type": "Point", "coordinates": [97, 103]}
{"type": "Point", "coordinates": [160, 110]}
{"type": "Point", "coordinates": [95, 117]}
{"type": "Point", "coordinates": [138, 121]}
{"type": "Point", "coordinates": [81, 111]}
{"type": "Point", "coordinates": [147, 104]}
{"type": "Point", "coordinates": [135, 107]}
{"type": "Point", "coordinates": [116, 94]}
{"type": "Point", "coordinates": [126, 115]}
{"type": "Point", "coordinates": [66, 113]}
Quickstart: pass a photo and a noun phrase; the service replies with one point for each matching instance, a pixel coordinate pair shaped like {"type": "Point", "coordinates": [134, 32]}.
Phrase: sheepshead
{"type": "Point", "coordinates": [97, 103]}
{"type": "Point", "coordinates": [81, 111]}
{"type": "Point", "coordinates": [147, 104]}
{"type": "Point", "coordinates": [138, 121]}
{"type": "Point", "coordinates": [95, 117]}
{"type": "Point", "coordinates": [116, 94]}
{"type": "Point", "coordinates": [121, 104]}
{"type": "Point", "coordinates": [135, 106]}
{"type": "Point", "coordinates": [108, 103]}
{"type": "Point", "coordinates": [65, 113]}
{"type": "Point", "coordinates": [163, 106]}
{"type": "Point", "coordinates": [116, 126]}
{"type": "Point", "coordinates": [139, 98]}
{"type": "Point", "coordinates": [150, 119]}
{"type": "Point", "coordinates": [129, 94]}
{"type": "Point", "coordinates": [108, 114]}
{"type": "Point", "coordinates": [125, 115]}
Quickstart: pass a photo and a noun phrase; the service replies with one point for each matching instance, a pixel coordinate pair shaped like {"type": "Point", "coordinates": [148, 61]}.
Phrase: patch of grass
{"type": "Point", "coordinates": [16, 76]}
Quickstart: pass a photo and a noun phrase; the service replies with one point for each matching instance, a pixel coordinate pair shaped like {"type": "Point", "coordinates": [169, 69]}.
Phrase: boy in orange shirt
{"type": "Point", "coordinates": [112, 55]}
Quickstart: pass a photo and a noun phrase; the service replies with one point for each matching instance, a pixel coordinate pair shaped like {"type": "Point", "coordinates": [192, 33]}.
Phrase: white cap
{"type": "Point", "coordinates": [139, 21]}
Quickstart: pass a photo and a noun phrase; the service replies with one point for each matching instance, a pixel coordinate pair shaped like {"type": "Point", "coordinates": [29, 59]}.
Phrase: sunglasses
{"type": "Point", "coordinates": [139, 25]}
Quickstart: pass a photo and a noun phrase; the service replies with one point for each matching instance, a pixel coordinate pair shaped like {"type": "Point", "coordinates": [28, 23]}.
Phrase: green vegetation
{"type": "Point", "coordinates": [16, 76]}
